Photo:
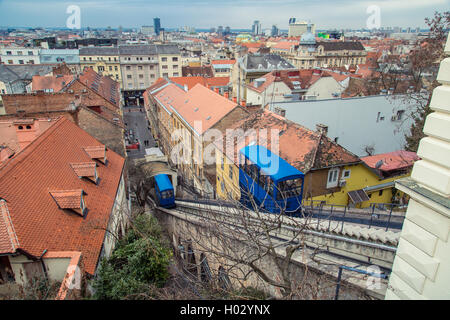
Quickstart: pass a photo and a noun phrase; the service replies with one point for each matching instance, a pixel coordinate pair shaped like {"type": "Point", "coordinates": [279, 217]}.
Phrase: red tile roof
{"type": "Point", "coordinates": [84, 169]}
{"type": "Point", "coordinates": [56, 83]}
{"type": "Point", "coordinates": [8, 237]}
{"type": "Point", "coordinates": [43, 166]}
{"type": "Point", "coordinates": [395, 160]}
{"type": "Point", "coordinates": [104, 86]}
{"type": "Point", "coordinates": [223, 61]}
{"type": "Point", "coordinates": [302, 148]}
{"type": "Point", "coordinates": [199, 105]}
{"type": "Point", "coordinates": [67, 199]}
{"type": "Point", "coordinates": [192, 81]}
{"type": "Point", "coordinates": [96, 152]}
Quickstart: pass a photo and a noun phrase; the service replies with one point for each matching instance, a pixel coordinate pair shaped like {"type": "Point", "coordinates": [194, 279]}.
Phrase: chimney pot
{"type": "Point", "coordinates": [321, 128]}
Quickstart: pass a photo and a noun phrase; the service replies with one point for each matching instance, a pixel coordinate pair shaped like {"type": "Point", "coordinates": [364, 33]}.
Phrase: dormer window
{"type": "Point", "coordinates": [86, 170]}
{"type": "Point", "coordinates": [97, 153]}
{"type": "Point", "coordinates": [70, 199]}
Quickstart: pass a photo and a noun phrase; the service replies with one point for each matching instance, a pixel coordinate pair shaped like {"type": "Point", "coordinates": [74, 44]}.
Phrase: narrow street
{"type": "Point", "coordinates": [137, 131]}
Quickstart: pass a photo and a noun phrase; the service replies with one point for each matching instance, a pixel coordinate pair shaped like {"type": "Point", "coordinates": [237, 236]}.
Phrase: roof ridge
{"type": "Point", "coordinates": [22, 154]}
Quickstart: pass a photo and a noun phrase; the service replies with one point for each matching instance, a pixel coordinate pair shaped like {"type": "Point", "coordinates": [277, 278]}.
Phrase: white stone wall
{"type": "Point", "coordinates": [421, 268]}
{"type": "Point", "coordinates": [356, 122]}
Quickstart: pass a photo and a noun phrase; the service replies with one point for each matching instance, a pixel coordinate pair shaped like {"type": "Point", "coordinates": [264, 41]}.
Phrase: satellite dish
{"type": "Point", "coordinates": [379, 164]}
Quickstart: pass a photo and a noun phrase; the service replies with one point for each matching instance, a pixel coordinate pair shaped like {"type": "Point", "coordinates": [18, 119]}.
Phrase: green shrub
{"type": "Point", "coordinates": [139, 260]}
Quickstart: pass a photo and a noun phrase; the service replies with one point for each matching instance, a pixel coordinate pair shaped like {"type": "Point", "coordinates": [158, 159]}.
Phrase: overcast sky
{"type": "Point", "coordinates": [207, 13]}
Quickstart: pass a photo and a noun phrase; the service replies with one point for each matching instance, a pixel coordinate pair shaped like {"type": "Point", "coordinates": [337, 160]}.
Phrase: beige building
{"type": "Point", "coordinates": [422, 262]}
{"type": "Point", "coordinates": [298, 28]}
{"type": "Point", "coordinates": [169, 58]}
{"type": "Point", "coordinates": [104, 60]}
{"type": "Point", "coordinates": [139, 65]}
{"type": "Point", "coordinates": [309, 53]}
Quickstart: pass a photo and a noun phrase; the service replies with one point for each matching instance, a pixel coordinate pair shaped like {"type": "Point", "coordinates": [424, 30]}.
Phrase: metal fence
{"type": "Point", "coordinates": [381, 215]}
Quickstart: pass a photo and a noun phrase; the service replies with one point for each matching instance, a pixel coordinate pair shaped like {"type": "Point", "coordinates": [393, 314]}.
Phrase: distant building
{"type": "Point", "coordinates": [274, 32]}
{"type": "Point", "coordinates": [250, 67]}
{"type": "Point", "coordinates": [139, 67]}
{"type": "Point", "coordinates": [17, 55]}
{"type": "Point", "coordinates": [157, 25]}
{"type": "Point", "coordinates": [103, 60]}
{"type": "Point", "coordinates": [148, 30]}
{"type": "Point", "coordinates": [169, 58]}
{"type": "Point", "coordinates": [310, 53]}
{"type": "Point", "coordinates": [298, 28]}
{"type": "Point", "coordinates": [256, 28]}
{"type": "Point", "coordinates": [70, 56]}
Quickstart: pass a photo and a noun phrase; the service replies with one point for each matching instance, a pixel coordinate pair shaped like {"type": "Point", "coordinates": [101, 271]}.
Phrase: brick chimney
{"type": "Point", "coordinates": [280, 111]}
{"type": "Point", "coordinates": [321, 128]}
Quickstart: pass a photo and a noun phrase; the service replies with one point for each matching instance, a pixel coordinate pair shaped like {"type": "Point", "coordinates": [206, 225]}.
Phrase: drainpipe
{"type": "Point", "coordinates": [43, 264]}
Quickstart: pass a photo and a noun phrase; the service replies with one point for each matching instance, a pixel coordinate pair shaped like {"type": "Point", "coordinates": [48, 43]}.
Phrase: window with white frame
{"type": "Point", "coordinates": [333, 175]}
{"type": "Point", "coordinates": [346, 174]}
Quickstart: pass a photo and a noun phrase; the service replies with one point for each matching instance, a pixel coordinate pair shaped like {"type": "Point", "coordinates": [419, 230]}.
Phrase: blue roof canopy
{"type": "Point", "coordinates": [163, 182]}
{"type": "Point", "coordinates": [270, 163]}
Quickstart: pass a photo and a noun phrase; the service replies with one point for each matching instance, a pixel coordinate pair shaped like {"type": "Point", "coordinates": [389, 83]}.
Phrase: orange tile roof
{"type": "Point", "coordinates": [96, 152]}
{"type": "Point", "coordinates": [395, 160]}
{"type": "Point", "coordinates": [104, 86]}
{"type": "Point", "coordinates": [84, 169]}
{"type": "Point", "coordinates": [312, 150]}
{"type": "Point", "coordinates": [67, 199]}
{"type": "Point", "coordinates": [223, 61]}
{"type": "Point", "coordinates": [284, 45]}
{"type": "Point", "coordinates": [199, 105]}
{"type": "Point", "coordinates": [8, 237]}
{"type": "Point", "coordinates": [57, 83]}
{"type": "Point", "coordinates": [43, 166]}
{"type": "Point", "coordinates": [193, 81]}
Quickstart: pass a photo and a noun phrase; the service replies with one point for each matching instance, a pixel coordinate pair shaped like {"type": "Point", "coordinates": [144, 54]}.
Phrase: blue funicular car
{"type": "Point", "coordinates": [275, 185]}
{"type": "Point", "coordinates": [165, 196]}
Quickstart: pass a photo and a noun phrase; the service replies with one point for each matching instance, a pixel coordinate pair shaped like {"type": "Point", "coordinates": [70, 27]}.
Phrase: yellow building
{"type": "Point", "coordinates": [332, 174]}
{"type": "Point", "coordinates": [104, 60]}
{"type": "Point", "coordinates": [227, 177]}
{"type": "Point", "coordinates": [362, 184]}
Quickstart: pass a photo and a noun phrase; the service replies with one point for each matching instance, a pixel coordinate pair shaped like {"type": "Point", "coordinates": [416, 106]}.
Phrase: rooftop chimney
{"type": "Point", "coordinates": [322, 129]}
{"type": "Point", "coordinates": [280, 111]}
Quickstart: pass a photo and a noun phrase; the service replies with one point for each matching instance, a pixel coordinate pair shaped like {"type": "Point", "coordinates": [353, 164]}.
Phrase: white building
{"type": "Point", "coordinates": [17, 55]}
{"type": "Point", "coordinates": [422, 262]}
{"type": "Point", "coordinates": [367, 125]}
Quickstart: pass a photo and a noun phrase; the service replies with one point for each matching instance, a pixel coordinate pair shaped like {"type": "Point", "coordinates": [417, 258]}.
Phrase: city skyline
{"type": "Point", "coordinates": [202, 14]}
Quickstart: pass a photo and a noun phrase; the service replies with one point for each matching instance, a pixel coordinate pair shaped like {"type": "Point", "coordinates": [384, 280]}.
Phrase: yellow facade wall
{"type": "Point", "coordinates": [361, 177]}
{"type": "Point", "coordinates": [106, 65]}
{"type": "Point", "coordinates": [225, 186]}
